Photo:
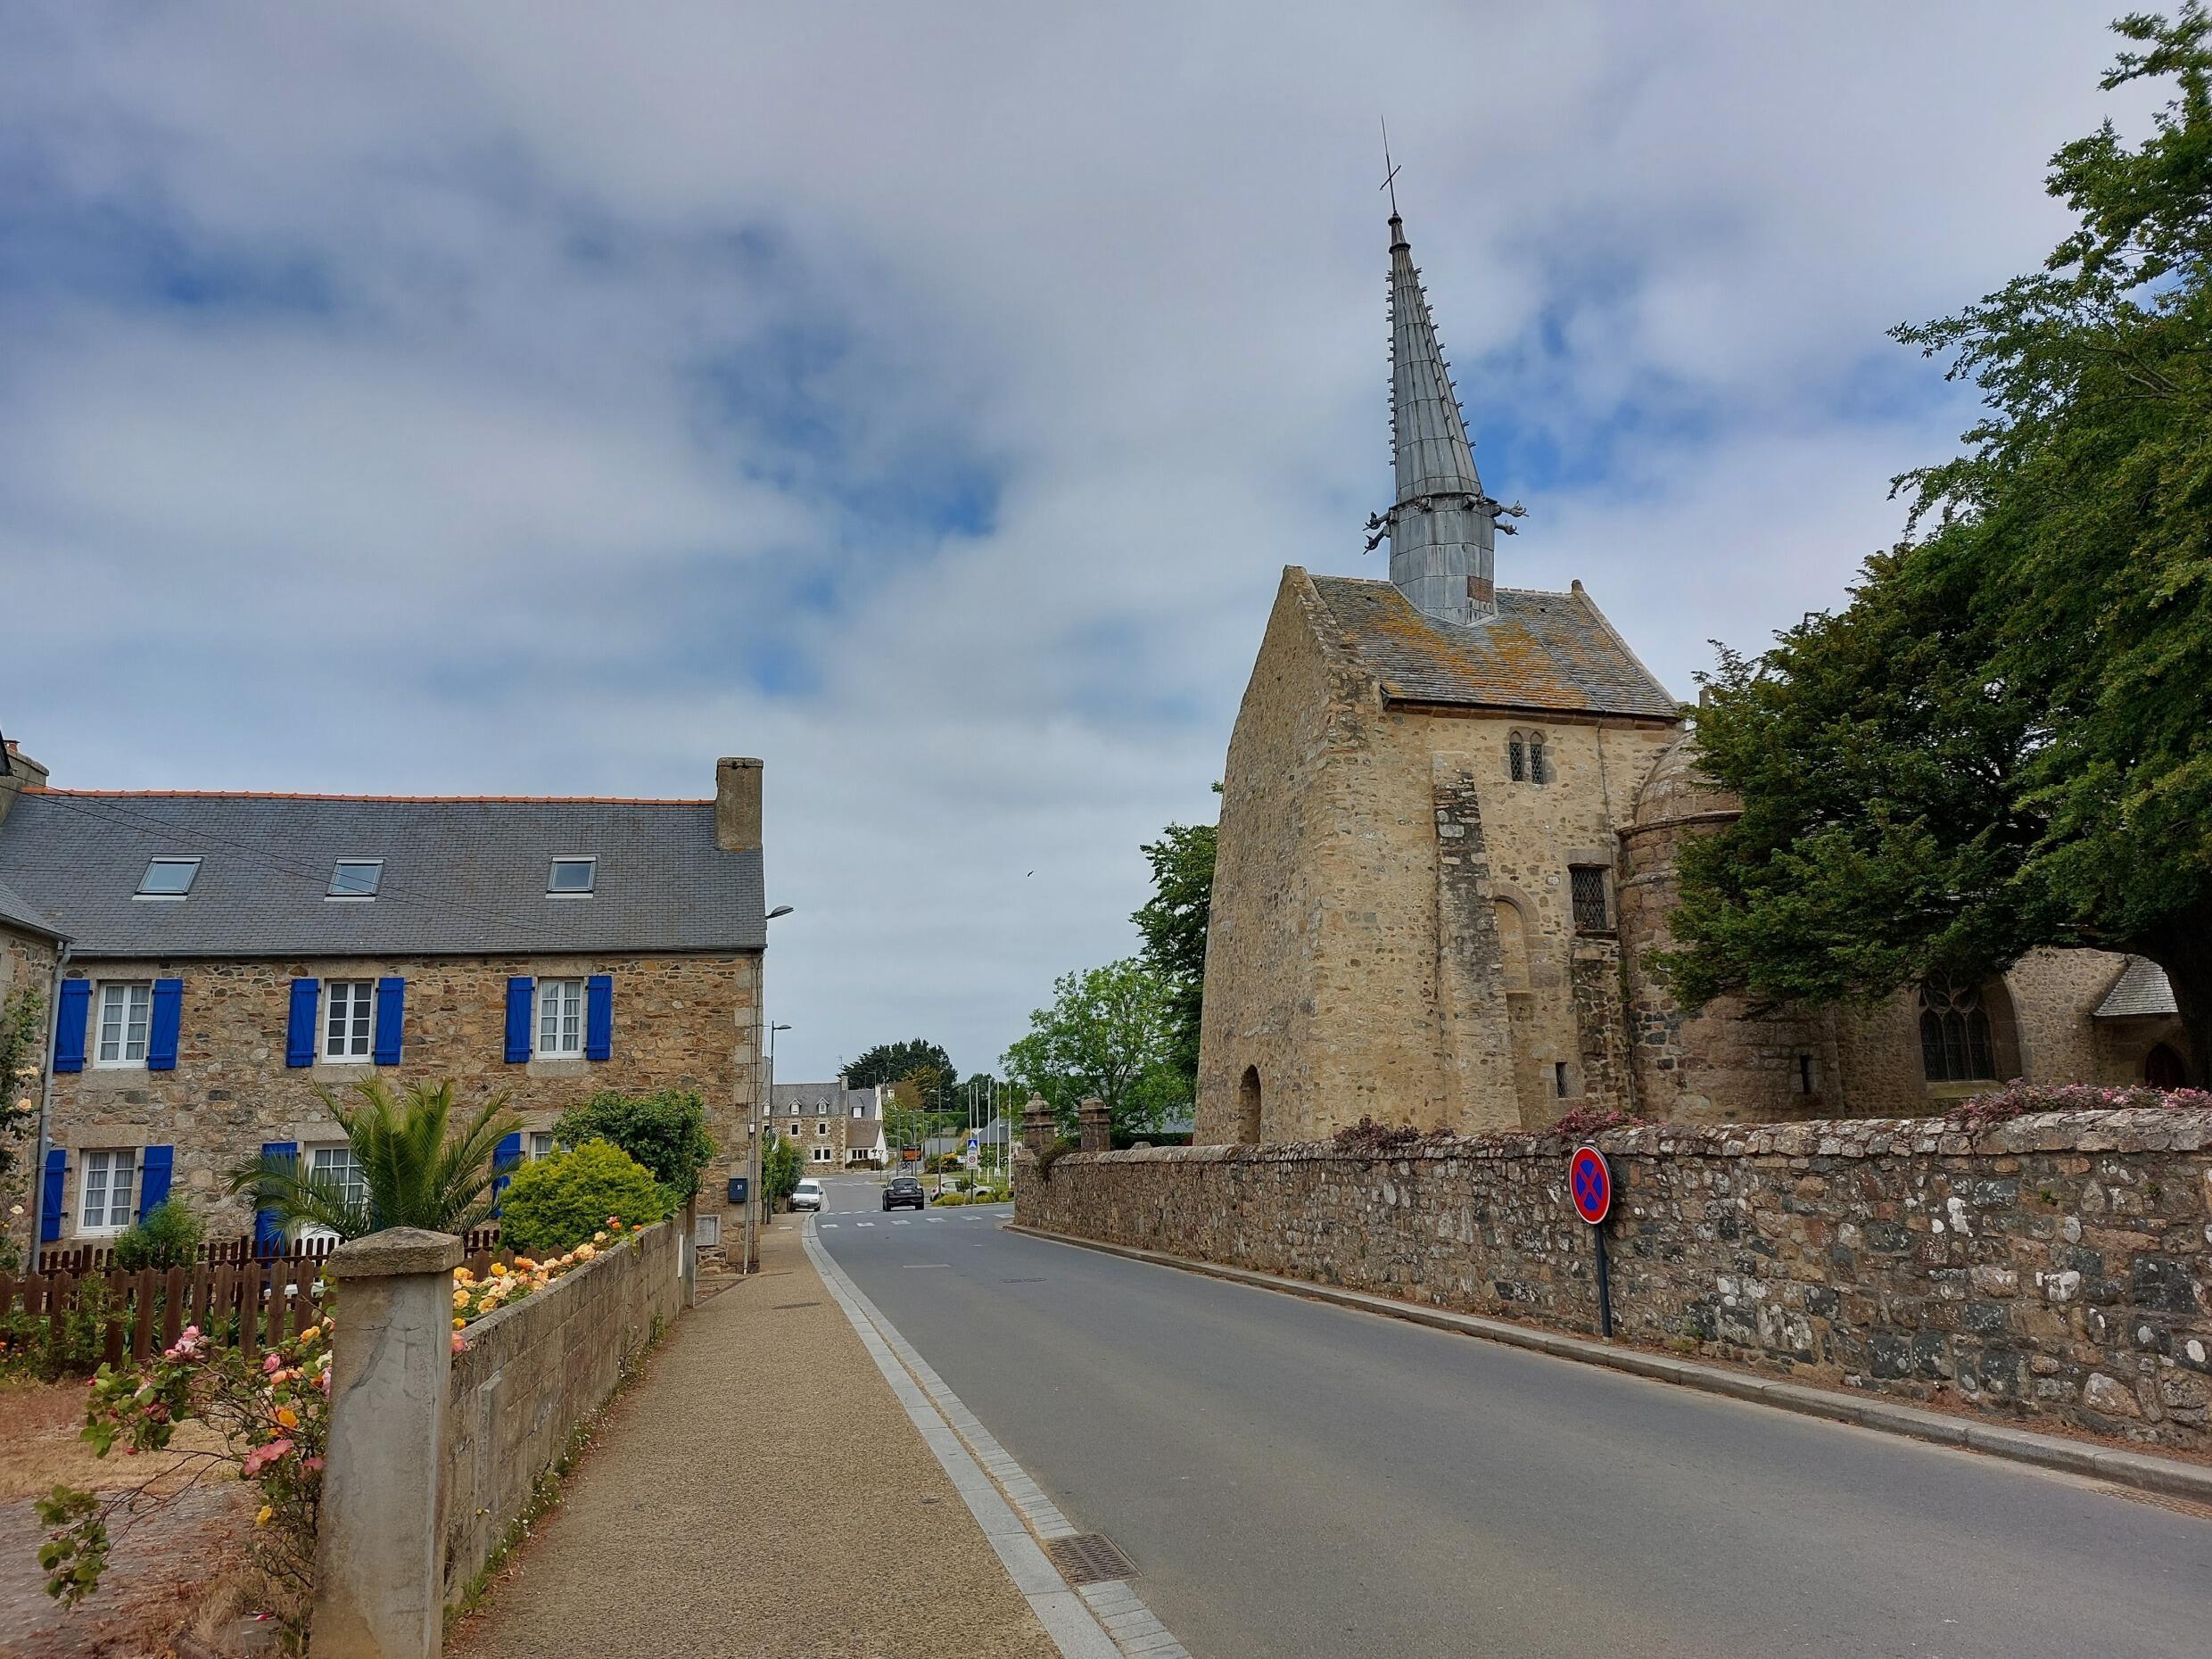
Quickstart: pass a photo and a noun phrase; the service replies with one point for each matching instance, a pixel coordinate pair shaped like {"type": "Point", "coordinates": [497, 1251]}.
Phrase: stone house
{"type": "Point", "coordinates": [835, 1128]}
{"type": "Point", "coordinates": [1449, 821]}
{"type": "Point", "coordinates": [230, 956]}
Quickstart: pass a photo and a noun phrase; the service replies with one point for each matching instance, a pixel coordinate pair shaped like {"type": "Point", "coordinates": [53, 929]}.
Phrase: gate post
{"type": "Point", "coordinates": [380, 1560]}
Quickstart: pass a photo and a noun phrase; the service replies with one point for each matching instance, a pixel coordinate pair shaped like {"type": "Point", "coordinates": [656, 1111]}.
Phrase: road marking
{"type": "Point", "coordinates": [902, 1221]}
{"type": "Point", "coordinates": [828, 1223]}
{"type": "Point", "coordinates": [863, 1224]}
{"type": "Point", "coordinates": [1105, 1621]}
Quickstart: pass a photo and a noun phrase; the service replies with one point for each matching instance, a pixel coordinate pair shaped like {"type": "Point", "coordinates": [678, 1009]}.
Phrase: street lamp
{"type": "Point", "coordinates": [754, 1200]}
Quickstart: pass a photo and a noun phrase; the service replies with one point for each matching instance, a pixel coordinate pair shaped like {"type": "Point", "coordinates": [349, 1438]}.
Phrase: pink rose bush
{"type": "Point", "coordinates": [270, 1421]}
{"type": "Point", "coordinates": [2017, 1099]}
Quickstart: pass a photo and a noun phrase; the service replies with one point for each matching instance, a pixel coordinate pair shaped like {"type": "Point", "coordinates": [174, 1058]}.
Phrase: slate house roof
{"type": "Point", "coordinates": [841, 1100]}
{"type": "Point", "coordinates": [461, 876]}
{"type": "Point", "coordinates": [2141, 989]}
{"type": "Point", "coordinates": [18, 912]}
{"type": "Point", "coordinates": [1543, 652]}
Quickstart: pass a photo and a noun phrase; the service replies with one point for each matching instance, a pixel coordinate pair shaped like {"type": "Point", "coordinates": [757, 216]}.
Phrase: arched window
{"type": "Point", "coordinates": [1540, 769]}
{"type": "Point", "coordinates": [1248, 1108]}
{"type": "Point", "coordinates": [1516, 762]}
{"type": "Point", "coordinates": [1955, 1043]}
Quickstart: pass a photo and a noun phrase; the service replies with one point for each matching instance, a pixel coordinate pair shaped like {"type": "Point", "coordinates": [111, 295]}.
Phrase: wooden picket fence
{"type": "Point", "coordinates": [254, 1304]}
{"type": "Point", "coordinates": [235, 1297]}
{"type": "Point", "coordinates": [237, 1251]}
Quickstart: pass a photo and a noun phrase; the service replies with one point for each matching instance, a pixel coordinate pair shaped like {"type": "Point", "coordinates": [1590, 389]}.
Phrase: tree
{"type": "Point", "coordinates": [1109, 1033]}
{"type": "Point", "coordinates": [894, 1062]}
{"type": "Point", "coordinates": [416, 1169]}
{"type": "Point", "coordinates": [781, 1165]}
{"type": "Point", "coordinates": [1173, 922]}
{"type": "Point", "coordinates": [666, 1132]}
{"type": "Point", "coordinates": [2005, 740]}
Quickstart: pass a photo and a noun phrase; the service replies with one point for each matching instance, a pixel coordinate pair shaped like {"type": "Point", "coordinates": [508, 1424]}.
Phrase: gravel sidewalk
{"type": "Point", "coordinates": [762, 1493]}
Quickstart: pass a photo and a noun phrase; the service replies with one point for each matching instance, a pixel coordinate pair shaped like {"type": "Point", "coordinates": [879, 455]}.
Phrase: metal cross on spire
{"type": "Point", "coordinates": [1389, 173]}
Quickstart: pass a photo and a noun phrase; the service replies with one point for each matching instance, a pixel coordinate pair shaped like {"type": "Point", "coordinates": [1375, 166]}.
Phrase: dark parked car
{"type": "Point", "coordinates": [904, 1190]}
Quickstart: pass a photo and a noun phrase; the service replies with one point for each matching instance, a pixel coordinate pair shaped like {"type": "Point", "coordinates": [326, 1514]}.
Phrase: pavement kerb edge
{"type": "Point", "coordinates": [1074, 1625]}
{"type": "Point", "coordinates": [2144, 1471]}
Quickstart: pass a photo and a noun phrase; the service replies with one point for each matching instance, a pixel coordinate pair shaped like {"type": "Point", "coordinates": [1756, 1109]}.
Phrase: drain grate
{"type": "Point", "coordinates": [1089, 1558]}
{"type": "Point", "coordinates": [787, 1306]}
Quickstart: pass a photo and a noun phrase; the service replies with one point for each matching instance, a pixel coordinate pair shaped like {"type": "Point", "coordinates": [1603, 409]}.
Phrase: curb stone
{"type": "Point", "coordinates": [2145, 1472]}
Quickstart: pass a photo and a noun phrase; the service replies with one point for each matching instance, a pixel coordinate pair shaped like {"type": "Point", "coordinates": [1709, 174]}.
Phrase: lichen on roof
{"type": "Point", "coordinates": [1542, 651]}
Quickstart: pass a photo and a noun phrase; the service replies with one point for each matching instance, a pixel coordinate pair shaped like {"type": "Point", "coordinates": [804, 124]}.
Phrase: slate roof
{"type": "Point", "coordinates": [2141, 989]}
{"type": "Point", "coordinates": [1542, 651]}
{"type": "Point", "coordinates": [841, 1099]}
{"type": "Point", "coordinates": [18, 912]}
{"type": "Point", "coordinates": [461, 876]}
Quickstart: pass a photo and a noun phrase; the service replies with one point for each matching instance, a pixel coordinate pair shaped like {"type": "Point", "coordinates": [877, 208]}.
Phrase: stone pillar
{"type": "Point", "coordinates": [1096, 1125]}
{"type": "Point", "coordinates": [380, 1560]}
{"type": "Point", "coordinates": [1038, 1131]}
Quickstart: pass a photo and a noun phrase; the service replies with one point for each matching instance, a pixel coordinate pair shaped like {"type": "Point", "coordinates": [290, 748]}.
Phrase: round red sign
{"type": "Point", "coordinates": [1590, 1183]}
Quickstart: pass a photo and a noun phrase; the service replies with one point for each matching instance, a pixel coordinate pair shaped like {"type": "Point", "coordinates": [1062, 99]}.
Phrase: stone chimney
{"type": "Point", "coordinates": [24, 773]}
{"type": "Point", "coordinates": [736, 804]}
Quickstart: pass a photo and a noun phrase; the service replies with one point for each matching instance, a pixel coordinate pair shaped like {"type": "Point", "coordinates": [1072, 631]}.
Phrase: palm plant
{"type": "Point", "coordinates": [416, 1168]}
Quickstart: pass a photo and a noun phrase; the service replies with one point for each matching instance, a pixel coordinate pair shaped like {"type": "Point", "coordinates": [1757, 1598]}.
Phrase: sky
{"type": "Point", "coordinates": [542, 397]}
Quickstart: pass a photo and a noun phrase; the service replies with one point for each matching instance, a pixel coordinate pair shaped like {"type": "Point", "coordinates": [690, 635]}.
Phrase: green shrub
{"type": "Point", "coordinates": [665, 1132]}
{"type": "Point", "coordinates": [558, 1202]}
{"type": "Point", "coordinates": [166, 1236]}
{"type": "Point", "coordinates": [71, 1342]}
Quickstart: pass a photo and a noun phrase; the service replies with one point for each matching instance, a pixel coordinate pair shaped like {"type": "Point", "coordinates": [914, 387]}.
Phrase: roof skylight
{"type": "Point", "coordinates": [571, 878]}
{"type": "Point", "coordinates": [356, 878]}
{"type": "Point", "coordinates": [168, 877]}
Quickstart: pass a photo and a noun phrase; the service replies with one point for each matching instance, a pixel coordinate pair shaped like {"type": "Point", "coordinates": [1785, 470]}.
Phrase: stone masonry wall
{"type": "Point", "coordinates": [26, 964]}
{"type": "Point", "coordinates": [2056, 1264]}
{"type": "Point", "coordinates": [679, 1022]}
{"type": "Point", "coordinates": [531, 1372]}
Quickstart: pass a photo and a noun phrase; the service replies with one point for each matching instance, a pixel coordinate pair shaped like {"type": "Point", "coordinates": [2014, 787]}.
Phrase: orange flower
{"type": "Point", "coordinates": [287, 1416]}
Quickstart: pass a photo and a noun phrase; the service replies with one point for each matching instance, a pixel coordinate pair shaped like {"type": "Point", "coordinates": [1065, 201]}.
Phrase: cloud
{"type": "Point", "coordinates": [552, 397]}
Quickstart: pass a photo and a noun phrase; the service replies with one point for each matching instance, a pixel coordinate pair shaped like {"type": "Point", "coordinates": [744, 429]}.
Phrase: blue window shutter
{"type": "Point", "coordinates": [50, 1189]}
{"type": "Point", "coordinates": [299, 1031]}
{"type": "Point", "coordinates": [510, 1153]}
{"type": "Point", "coordinates": [167, 1022]}
{"type": "Point", "coordinates": [519, 993]}
{"type": "Point", "coordinates": [269, 1236]}
{"type": "Point", "coordinates": [598, 1017]}
{"type": "Point", "coordinates": [153, 1175]}
{"type": "Point", "coordinates": [70, 1016]}
{"type": "Point", "coordinates": [390, 1004]}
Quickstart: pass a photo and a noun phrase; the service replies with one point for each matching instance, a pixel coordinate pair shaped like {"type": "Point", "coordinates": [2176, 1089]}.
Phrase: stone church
{"type": "Point", "coordinates": [1448, 827]}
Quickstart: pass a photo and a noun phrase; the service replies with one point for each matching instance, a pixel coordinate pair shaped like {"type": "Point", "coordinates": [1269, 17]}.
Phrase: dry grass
{"type": "Point", "coordinates": [40, 1448]}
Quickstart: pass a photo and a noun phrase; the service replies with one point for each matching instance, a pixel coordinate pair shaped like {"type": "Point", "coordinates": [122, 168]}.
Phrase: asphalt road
{"type": "Point", "coordinates": [1295, 1478]}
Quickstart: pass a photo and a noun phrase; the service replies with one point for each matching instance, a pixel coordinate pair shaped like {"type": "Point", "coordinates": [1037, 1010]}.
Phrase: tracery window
{"type": "Point", "coordinates": [1539, 768]}
{"type": "Point", "coordinates": [1516, 760]}
{"type": "Point", "coordinates": [1955, 1042]}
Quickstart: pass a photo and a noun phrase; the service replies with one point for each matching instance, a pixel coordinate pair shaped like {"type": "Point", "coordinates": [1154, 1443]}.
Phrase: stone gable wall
{"type": "Point", "coordinates": [26, 964]}
{"type": "Point", "coordinates": [2054, 1265]}
{"type": "Point", "coordinates": [531, 1372]}
{"type": "Point", "coordinates": [679, 1022]}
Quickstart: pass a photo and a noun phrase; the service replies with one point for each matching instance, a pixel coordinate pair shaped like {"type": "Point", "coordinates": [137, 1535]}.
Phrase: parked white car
{"type": "Point", "coordinates": [806, 1195]}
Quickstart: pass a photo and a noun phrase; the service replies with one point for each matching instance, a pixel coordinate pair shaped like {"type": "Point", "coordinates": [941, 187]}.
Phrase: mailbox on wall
{"type": "Point", "coordinates": [740, 1187]}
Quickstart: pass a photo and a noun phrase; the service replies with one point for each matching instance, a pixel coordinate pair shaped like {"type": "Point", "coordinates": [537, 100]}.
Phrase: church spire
{"type": "Point", "coordinates": [1442, 529]}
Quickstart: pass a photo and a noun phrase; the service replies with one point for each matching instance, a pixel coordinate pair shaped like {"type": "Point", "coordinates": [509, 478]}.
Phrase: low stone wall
{"type": "Point", "coordinates": [2055, 1265]}
{"type": "Point", "coordinates": [531, 1372]}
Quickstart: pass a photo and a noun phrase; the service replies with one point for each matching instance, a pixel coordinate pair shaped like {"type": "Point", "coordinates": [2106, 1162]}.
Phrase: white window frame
{"type": "Point", "coordinates": [557, 1000]}
{"type": "Point", "coordinates": [822, 1155]}
{"type": "Point", "coordinates": [124, 1058]}
{"type": "Point", "coordinates": [360, 995]}
{"type": "Point", "coordinates": [103, 1159]}
{"type": "Point", "coordinates": [339, 897]}
{"type": "Point", "coordinates": [590, 861]}
{"type": "Point", "coordinates": [537, 1144]}
{"type": "Point", "coordinates": [821, 1130]}
{"type": "Point", "coordinates": [169, 858]}
{"type": "Point", "coordinates": [325, 1155]}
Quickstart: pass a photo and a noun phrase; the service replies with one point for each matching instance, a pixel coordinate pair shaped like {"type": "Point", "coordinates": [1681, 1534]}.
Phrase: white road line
{"type": "Point", "coordinates": [828, 1223]}
{"type": "Point", "coordinates": [1108, 1621]}
{"type": "Point", "coordinates": [902, 1221]}
{"type": "Point", "coordinates": [863, 1224]}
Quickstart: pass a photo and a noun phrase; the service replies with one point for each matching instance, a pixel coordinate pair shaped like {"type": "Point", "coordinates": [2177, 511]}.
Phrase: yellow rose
{"type": "Point", "coordinates": [263, 1518]}
{"type": "Point", "coordinates": [287, 1416]}
{"type": "Point", "coordinates": [461, 1298]}
{"type": "Point", "coordinates": [457, 1324]}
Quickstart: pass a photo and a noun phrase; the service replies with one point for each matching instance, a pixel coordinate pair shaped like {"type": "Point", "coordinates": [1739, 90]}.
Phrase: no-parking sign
{"type": "Point", "coordinates": [1590, 1183]}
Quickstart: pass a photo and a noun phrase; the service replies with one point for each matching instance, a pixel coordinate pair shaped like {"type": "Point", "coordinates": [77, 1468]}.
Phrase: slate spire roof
{"type": "Point", "coordinates": [1442, 527]}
